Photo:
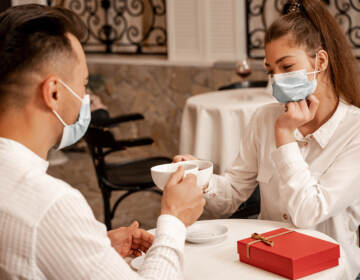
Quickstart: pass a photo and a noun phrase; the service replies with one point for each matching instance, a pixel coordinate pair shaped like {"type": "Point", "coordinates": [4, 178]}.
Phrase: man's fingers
{"type": "Point", "coordinates": [142, 237]}
{"type": "Point", "coordinates": [135, 253]}
{"type": "Point", "coordinates": [176, 177]}
{"type": "Point", "coordinates": [191, 178]}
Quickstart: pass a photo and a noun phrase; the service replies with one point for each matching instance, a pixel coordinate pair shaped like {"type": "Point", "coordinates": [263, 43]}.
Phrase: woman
{"type": "Point", "coordinates": [305, 152]}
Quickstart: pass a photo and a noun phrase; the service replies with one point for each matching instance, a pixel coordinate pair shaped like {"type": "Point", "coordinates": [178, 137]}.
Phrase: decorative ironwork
{"type": "Point", "coordinates": [261, 13]}
{"type": "Point", "coordinates": [122, 26]}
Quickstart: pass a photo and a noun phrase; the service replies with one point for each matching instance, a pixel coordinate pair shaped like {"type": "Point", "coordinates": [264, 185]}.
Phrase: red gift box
{"type": "Point", "coordinates": [292, 255]}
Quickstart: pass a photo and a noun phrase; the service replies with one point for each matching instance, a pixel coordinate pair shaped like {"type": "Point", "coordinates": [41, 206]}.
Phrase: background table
{"type": "Point", "coordinates": [221, 261]}
{"type": "Point", "coordinates": [213, 123]}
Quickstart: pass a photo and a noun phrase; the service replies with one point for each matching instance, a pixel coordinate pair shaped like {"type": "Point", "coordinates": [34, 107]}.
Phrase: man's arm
{"type": "Point", "coordinates": [72, 244]}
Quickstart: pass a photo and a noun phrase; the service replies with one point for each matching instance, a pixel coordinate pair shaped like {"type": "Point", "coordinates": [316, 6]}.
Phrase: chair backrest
{"type": "Point", "coordinates": [94, 138]}
{"type": "Point", "coordinates": [99, 140]}
{"type": "Point", "coordinates": [97, 137]}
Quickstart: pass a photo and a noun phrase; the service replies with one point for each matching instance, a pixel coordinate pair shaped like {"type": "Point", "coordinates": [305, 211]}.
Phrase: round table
{"type": "Point", "coordinates": [221, 261]}
{"type": "Point", "coordinates": [213, 123]}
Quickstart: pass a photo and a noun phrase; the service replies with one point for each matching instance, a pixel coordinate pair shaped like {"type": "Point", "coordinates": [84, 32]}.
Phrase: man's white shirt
{"type": "Point", "coordinates": [48, 231]}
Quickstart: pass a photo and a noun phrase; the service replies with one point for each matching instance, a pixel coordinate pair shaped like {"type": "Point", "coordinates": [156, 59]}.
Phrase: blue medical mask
{"type": "Point", "coordinates": [73, 133]}
{"type": "Point", "coordinates": [294, 86]}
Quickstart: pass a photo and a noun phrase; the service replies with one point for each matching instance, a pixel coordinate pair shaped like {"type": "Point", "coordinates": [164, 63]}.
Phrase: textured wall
{"type": "Point", "coordinates": [159, 92]}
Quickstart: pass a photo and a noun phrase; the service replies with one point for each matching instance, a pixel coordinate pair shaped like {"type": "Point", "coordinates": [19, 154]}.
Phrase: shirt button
{"type": "Point", "coordinates": [285, 216]}
{"type": "Point", "coordinates": [305, 143]}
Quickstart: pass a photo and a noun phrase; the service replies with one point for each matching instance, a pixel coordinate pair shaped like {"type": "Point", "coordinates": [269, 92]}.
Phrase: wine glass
{"type": "Point", "coordinates": [244, 71]}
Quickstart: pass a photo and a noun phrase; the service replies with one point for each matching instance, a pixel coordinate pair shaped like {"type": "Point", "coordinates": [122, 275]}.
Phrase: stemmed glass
{"type": "Point", "coordinates": [244, 71]}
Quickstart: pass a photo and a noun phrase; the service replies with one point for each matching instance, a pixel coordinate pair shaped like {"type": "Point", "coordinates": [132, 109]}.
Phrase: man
{"type": "Point", "coordinates": [47, 229]}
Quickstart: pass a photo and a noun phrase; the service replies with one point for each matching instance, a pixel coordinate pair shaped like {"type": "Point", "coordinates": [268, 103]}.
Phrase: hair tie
{"type": "Point", "coordinates": [295, 6]}
{"type": "Point", "coordinates": [292, 6]}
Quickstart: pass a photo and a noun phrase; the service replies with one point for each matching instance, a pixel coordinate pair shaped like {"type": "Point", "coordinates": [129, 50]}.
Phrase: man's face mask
{"type": "Point", "coordinates": [294, 86]}
{"type": "Point", "coordinates": [73, 133]}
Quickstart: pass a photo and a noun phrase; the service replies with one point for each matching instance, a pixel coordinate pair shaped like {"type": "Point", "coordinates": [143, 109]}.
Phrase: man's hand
{"type": "Point", "coordinates": [296, 115]}
{"type": "Point", "coordinates": [182, 198]}
{"type": "Point", "coordinates": [130, 241]}
{"type": "Point", "coordinates": [179, 158]}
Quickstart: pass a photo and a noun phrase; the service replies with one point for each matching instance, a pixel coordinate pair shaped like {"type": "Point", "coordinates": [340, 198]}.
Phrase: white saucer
{"type": "Point", "coordinates": [205, 232]}
{"type": "Point", "coordinates": [137, 262]}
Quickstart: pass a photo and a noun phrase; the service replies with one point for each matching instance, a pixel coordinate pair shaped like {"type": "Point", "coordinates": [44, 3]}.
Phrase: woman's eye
{"type": "Point", "coordinates": [286, 67]}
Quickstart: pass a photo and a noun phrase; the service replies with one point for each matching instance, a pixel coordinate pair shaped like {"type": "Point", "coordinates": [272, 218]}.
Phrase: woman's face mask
{"type": "Point", "coordinates": [73, 133]}
{"type": "Point", "coordinates": [294, 86]}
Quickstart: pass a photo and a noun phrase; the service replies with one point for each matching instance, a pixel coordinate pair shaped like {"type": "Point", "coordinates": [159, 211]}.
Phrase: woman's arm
{"type": "Point", "coordinates": [238, 183]}
{"type": "Point", "coordinates": [309, 199]}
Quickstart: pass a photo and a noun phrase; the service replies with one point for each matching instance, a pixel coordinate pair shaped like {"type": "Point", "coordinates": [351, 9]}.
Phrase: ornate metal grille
{"type": "Point", "coordinates": [261, 13]}
{"type": "Point", "coordinates": [122, 26]}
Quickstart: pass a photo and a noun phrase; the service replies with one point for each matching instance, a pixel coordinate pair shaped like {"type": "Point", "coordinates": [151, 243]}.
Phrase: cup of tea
{"type": "Point", "coordinates": [161, 173]}
{"type": "Point", "coordinates": [202, 169]}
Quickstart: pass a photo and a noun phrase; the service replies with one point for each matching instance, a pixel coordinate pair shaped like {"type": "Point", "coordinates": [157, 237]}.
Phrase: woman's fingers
{"type": "Point", "coordinates": [303, 106]}
{"type": "Point", "coordinates": [179, 158]}
{"type": "Point", "coordinates": [314, 104]}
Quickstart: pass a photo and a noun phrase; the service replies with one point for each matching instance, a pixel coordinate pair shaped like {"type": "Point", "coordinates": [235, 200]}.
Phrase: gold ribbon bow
{"type": "Point", "coordinates": [266, 240]}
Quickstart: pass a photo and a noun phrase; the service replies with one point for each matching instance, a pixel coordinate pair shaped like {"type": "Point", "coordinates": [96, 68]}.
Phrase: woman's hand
{"type": "Point", "coordinates": [296, 115]}
{"type": "Point", "coordinates": [179, 158]}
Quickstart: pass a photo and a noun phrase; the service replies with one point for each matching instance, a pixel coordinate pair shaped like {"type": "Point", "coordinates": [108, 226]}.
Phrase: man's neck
{"type": "Point", "coordinates": [19, 127]}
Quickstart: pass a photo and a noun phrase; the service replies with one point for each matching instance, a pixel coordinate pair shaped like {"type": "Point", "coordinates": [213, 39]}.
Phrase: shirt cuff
{"type": "Point", "coordinates": [288, 160]}
{"type": "Point", "coordinates": [173, 229]}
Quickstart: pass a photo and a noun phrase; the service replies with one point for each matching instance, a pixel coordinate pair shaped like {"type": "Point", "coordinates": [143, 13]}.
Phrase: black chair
{"type": "Point", "coordinates": [130, 176]}
{"type": "Point", "coordinates": [249, 208]}
{"type": "Point", "coordinates": [251, 84]}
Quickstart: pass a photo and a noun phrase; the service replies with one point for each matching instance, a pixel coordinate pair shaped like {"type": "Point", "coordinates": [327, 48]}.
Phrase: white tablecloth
{"type": "Point", "coordinates": [213, 123]}
{"type": "Point", "coordinates": [221, 261]}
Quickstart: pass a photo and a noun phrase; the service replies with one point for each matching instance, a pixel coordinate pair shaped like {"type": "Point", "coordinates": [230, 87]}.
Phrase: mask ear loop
{"type": "Point", "coordinates": [60, 119]}
{"type": "Point", "coordinates": [316, 71]}
{"type": "Point", "coordinates": [70, 89]}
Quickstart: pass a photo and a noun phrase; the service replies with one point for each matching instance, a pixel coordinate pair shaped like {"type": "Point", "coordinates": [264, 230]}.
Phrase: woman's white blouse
{"type": "Point", "coordinates": [311, 183]}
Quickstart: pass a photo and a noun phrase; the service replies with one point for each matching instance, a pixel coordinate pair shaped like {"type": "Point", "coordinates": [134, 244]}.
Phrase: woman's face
{"type": "Point", "coordinates": [282, 56]}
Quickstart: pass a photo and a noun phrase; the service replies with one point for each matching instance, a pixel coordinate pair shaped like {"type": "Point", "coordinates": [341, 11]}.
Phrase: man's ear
{"type": "Point", "coordinates": [322, 60]}
{"type": "Point", "coordinates": [50, 93]}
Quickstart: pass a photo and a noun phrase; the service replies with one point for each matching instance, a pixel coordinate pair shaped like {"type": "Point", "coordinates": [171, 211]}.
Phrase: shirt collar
{"type": "Point", "coordinates": [16, 153]}
{"type": "Point", "coordinates": [324, 133]}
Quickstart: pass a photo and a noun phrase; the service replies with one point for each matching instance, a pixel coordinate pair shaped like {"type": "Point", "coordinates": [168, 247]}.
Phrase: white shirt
{"type": "Point", "coordinates": [311, 183]}
{"type": "Point", "coordinates": [48, 231]}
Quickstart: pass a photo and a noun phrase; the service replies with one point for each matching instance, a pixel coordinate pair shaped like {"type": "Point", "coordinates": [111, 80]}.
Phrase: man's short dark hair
{"type": "Point", "coordinates": [31, 35]}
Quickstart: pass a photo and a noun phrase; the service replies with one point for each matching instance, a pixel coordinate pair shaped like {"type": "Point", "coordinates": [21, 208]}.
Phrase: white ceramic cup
{"type": "Point", "coordinates": [161, 173]}
{"type": "Point", "coordinates": [204, 170]}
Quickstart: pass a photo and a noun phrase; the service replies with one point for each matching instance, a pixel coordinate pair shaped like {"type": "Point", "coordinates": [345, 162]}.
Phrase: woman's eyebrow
{"type": "Point", "coordinates": [282, 58]}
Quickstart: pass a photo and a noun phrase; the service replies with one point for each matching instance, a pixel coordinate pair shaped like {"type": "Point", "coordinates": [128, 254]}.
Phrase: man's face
{"type": "Point", "coordinates": [77, 82]}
